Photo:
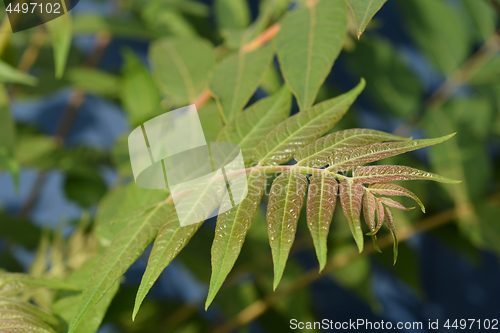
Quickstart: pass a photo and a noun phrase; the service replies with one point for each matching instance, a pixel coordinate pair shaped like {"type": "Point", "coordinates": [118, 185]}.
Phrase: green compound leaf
{"type": "Point", "coordinates": [390, 173]}
{"type": "Point", "coordinates": [248, 128]}
{"type": "Point", "coordinates": [232, 227]}
{"type": "Point", "coordinates": [237, 77]}
{"type": "Point", "coordinates": [125, 248]}
{"type": "Point", "coordinates": [182, 67]}
{"type": "Point", "coordinates": [283, 210]}
{"type": "Point", "coordinates": [171, 239]}
{"type": "Point", "coordinates": [317, 154]}
{"type": "Point", "coordinates": [303, 128]}
{"type": "Point", "coordinates": [351, 195]}
{"type": "Point", "coordinates": [389, 220]}
{"type": "Point", "coordinates": [321, 200]}
{"type": "Point", "coordinates": [309, 41]}
{"type": "Point", "coordinates": [363, 11]}
{"type": "Point", "coordinates": [348, 158]}
{"type": "Point", "coordinates": [395, 190]}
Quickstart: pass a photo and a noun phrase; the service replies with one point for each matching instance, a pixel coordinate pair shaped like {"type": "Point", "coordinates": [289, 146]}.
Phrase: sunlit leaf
{"type": "Point", "coordinates": [231, 229]}
{"type": "Point", "coordinates": [351, 195]}
{"type": "Point", "coordinates": [19, 325]}
{"type": "Point", "coordinates": [304, 127]}
{"type": "Point", "coordinates": [248, 128]}
{"type": "Point", "coordinates": [171, 239]}
{"type": "Point", "coordinates": [237, 77]}
{"type": "Point", "coordinates": [363, 11]}
{"type": "Point", "coordinates": [28, 309]}
{"type": "Point", "coordinates": [285, 203]}
{"type": "Point", "coordinates": [318, 153]}
{"type": "Point", "coordinates": [348, 158]}
{"type": "Point", "coordinates": [395, 190]}
{"type": "Point", "coordinates": [389, 173]}
{"type": "Point", "coordinates": [321, 200]}
{"type": "Point", "coordinates": [309, 41]}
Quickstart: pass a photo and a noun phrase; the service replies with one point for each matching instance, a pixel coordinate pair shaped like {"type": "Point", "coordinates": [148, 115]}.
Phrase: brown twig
{"type": "Point", "coordinates": [31, 53]}
{"type": "Point", "coordinates": [262, 39]}
{"type": "Point", "coordinates": [202, 99]}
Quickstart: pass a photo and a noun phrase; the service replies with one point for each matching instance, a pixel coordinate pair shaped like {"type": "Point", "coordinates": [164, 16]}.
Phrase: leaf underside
{"type": "Point", "coordinates": [283, 210]}
{"type": "Point", "coordinates": [321, 200]}
{"type": "Point", "coordinates": [250, 127]}
{"type": "Point", "coordinates": [351, 195]}
{"type": "Point", "coordinates": [231, 229]}
{"type": "Point", "coordinates": [171, 239]}
{"type": "Point", "coordinates": [318, 153]}
{"type": "Point", "coordinates": [303, 128]}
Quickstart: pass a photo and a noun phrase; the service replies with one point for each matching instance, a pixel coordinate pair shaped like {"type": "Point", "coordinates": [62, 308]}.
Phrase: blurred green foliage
{"type": "Point", "coordinates": [218, 56]}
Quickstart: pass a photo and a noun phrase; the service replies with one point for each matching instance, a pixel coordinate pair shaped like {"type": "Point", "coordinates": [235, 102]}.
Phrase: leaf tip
{"type": "Point", "coordinates": [135, 311]}
{"type": "Point", "coordinates": [360, 246]}
{"type": "Point", "coordinates": [210, 297]}
{"type": "Point", "coordinates": [375, 245]}
{"type": "Point", "coordinates": [276, 282]}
